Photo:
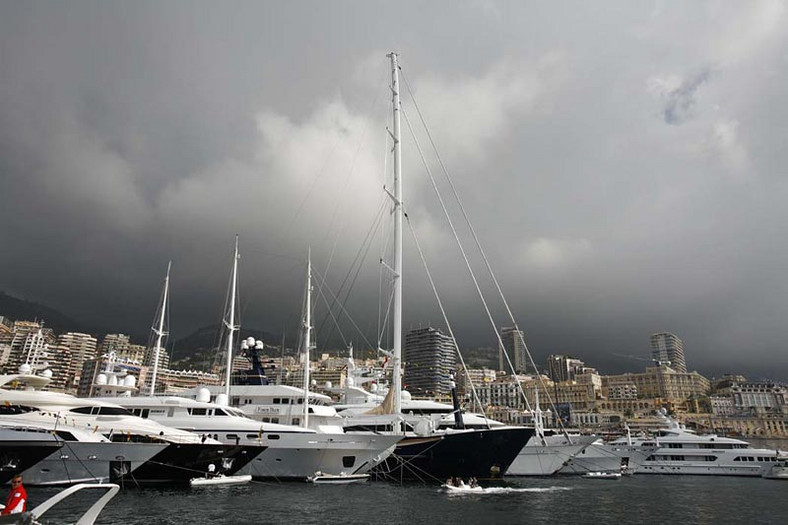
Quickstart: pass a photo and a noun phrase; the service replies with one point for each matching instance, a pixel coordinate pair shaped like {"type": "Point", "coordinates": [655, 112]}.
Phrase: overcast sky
{"type": "Point", "coordinates": [624, 164]}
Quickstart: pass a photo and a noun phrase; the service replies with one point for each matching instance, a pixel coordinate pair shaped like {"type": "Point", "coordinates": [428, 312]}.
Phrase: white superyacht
{"type": "Point", "coordinates": [682, 451]}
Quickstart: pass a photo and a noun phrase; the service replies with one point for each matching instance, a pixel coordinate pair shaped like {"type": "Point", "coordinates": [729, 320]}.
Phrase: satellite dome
{"type": "Point", "coordinates": [373, 387]}
{"type": "Point", "coordinates": [405, 395]}
{"type": "Point", "coordinates": [221, 400]}
{"type": "Point", "coordinates": [328, 385]}
{"type": "Point", "coordinates": [101, 379]}
{"type": "Point", "coordinates": [250, 341]}
{"type": "Point", "coordinates": [203, 395]}
{"type": "Point", "coordinates": [24, 368]}
{"type": "Point", "coordinates": [130, 381]}
{"type": "Point", "coordinates": [47, 373]}
{"type": "Point", "coordinates": [113, 380]}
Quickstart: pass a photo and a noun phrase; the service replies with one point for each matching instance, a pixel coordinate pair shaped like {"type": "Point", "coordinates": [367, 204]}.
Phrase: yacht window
{"type": "Point", "coordinates": [296, 421]}
{"type": "Point", "coordinates": [82, 410]}
{"type": "Point", "coordinates": [266, 420]}
{"type": "Point", "coordinates": [253, 436]}
{"type": "Point", "coordinates": [272, 436]}
{"type": "Point", "coordinates": [300, 400]}
{"type": "Point", "coordinates": [277, 401]}
{"type": "Point", "coordinates": [235, 401]}
{"type": "Point", "coordinates": [113, 411]}
{"type": "Point", "coordinates": [68, 436]}
{"type": "Point", "coordinates": [233, 437]}
{"type": "Point", "coordinates": [348, 461]}
{"type": "Point", "coordinates": [11, 410]}
{"type": "Point", "coordinates": [197, 411]}
{"type": "Point", "coordinates": [219, 412]}
{"type": "Point", "coordinates": [274, 420]}
{"type": "Point", "coordinates": [737, 458]}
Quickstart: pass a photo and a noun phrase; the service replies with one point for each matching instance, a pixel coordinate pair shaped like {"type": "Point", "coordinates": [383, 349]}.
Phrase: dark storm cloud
{"type": "Point", "coordinates": [136, 133]}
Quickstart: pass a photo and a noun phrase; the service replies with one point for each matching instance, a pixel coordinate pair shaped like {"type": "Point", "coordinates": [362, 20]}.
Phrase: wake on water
{"type": "Point", "coordinates": [501, 490]}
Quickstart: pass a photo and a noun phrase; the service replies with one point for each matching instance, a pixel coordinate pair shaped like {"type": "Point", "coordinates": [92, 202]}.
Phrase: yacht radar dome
{"type": "Point", "coordinates": [221, 400]}
{"type": "Point", "coordinates": [129, 381]}
{"type": "Point", "coordinates": [47, 373]}
{"type": "Point", "coordinates": [25, 368]}
{"type": "Point", "coordinates": [101, 379]}
{"type": "Point", "coordinates": [203, 395]}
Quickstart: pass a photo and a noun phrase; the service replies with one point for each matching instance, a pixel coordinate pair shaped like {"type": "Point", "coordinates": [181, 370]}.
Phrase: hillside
{"type": "Point", "coordinates": [21, 310]}
{"type": "Point", "coordinates": [198, 349]}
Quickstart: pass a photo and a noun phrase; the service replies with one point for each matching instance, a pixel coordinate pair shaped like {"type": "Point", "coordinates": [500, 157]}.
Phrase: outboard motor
{"type": "Point", "coordinates": [455, 401]}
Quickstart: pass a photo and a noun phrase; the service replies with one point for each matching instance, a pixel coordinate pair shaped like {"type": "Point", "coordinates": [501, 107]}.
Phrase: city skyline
{"type": "Point", "coordinates": [621, 164]}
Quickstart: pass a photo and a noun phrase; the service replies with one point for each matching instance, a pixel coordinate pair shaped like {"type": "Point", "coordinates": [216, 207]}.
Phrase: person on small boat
{"type": "Point", "coordinates": [450, 482]}
{"type": "Point", "coordinates": [473, 483]}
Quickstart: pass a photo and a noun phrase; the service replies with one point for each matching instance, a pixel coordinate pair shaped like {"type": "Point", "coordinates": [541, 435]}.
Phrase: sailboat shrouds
{"type": "Point", "coordinates": [426, 454]}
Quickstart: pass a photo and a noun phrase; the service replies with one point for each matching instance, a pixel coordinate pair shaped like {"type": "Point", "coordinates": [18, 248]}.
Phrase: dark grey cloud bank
{"type": "Point", "coordinates": [623, 164]}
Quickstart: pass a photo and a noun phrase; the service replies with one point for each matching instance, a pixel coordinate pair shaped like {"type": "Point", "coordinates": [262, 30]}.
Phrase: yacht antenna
{"type": "Point", "coordinates": [396, 379]}
{"type": "Point", "coordinates": [230, 322]}
{"type": "Point", "coordinates": [159, 329]}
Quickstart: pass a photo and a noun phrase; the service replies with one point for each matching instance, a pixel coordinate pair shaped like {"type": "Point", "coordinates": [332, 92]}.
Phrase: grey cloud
{"type": "Point", "coordinates": [135, 134]}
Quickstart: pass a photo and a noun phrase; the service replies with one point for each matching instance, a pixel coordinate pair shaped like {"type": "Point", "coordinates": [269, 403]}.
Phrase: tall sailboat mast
{"type": "Point", "coordinates": [396, 379]}
{"type": "Point", "coordinates": [307, 337]}
{"type": "Point", "coordinates": [230, 321]}
{"type": "Point", "coordinates": [158, 329]}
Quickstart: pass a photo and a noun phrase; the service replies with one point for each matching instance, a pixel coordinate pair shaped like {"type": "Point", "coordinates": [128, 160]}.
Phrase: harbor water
{"type": "Point", "coordinates": [633, 499]}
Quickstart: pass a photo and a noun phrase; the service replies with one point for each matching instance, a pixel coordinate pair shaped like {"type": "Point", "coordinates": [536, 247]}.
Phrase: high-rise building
{"type": "Point", "coordinates": [514, 346]}
{"type": "Point", "coordinates": [430, 358]}
{"type": "Point", "coordinates": [82, 348]}
{"type": "Point", "coordinates": [24, 337]}
{"type": "Point", "coordinates": [114, 343]}
{"type": "Point", "coordinates": [150, 356]}
{"type": "Point", "coordinates": [565, 368]}
{"type": "Point", "coordinates": [667, 349]}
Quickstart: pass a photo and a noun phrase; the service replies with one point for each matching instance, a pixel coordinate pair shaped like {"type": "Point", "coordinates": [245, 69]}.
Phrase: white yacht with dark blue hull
{"type": "Point", "coordinates": [179, 456]}
{"type": "Point", "coordinates": [292, 453]}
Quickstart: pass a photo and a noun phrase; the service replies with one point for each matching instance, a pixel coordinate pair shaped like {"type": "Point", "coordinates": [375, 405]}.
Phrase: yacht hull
{"type": "Point", "coordinates": [180, 462]}
{"type": "Point", "coordinates": [298, 456]}
{"type": "Point", "coordinates": [97, 462]}
{"type": "Point", "coordinates": [545, 459]}
{"type": "Point", "coordinates": [607, 458]}
{"type": "Point", "coordinates": [483, 454]}
{"type": "Point", "coordinates": [19, 453]}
